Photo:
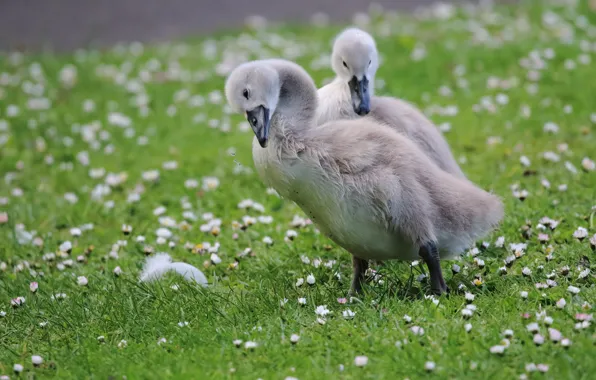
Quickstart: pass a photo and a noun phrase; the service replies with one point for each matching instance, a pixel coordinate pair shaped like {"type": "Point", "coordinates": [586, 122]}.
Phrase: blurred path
{"type": "Point", "coordinates": [70, 24]}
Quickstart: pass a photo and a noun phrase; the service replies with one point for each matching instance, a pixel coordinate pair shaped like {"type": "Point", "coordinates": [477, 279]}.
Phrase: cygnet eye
{"type": "Point", "coordinates": [245, 93]}
{"type": "Point", "coordinates": [369, 62]}
{"type": "Point", "coordinates": [345, 64]}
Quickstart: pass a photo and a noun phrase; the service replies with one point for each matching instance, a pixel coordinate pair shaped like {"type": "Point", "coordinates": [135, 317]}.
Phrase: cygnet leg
{"type": "Point", "coordinates": [360, 266]}
{"type": "Point", "coordinates": [430, 254]}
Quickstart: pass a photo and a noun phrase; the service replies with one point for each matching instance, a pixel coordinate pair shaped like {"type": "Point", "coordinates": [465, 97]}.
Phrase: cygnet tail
{"type": "Point", "coordinates": [486, 213]}
{"type": "Point", "coordinates": [157, 266]}
{"type": "Point", "coordinates": [470, 213]}
{"type": "Point", "coordinates": [496, 211]}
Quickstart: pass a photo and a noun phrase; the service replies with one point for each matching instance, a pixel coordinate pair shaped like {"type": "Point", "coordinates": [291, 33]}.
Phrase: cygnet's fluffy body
{"type": "Point", "coordinates": [339, 100]}
{"type": "Point", "coordinates": [370, 189]}
{"type": "Point", "coordinates": [366, 188]}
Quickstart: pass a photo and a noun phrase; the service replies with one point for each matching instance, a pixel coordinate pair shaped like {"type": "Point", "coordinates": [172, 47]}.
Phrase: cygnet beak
{"type": "Point", "coordinates": [360, 95]}
{"type": "Point", "coordinates": [259, 121]}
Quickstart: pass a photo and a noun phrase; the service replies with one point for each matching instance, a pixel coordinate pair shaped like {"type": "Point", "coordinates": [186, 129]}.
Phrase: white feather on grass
{"type": "Point", "coordinates": [157, 266]}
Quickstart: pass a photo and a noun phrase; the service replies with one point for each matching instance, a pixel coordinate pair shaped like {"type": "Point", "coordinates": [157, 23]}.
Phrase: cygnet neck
{"type": "Point", "coordinates": [297, 104]}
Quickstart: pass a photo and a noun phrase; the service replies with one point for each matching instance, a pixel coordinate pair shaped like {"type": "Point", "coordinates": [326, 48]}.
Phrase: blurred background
{"type": "Point", "coordinates": [64, 25]}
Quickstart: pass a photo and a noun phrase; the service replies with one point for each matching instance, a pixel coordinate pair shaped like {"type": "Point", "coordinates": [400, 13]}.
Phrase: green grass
{"type": "Point", "coordinates": [244, 303]}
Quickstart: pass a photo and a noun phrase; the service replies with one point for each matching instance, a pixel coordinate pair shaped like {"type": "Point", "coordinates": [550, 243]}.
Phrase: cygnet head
{"type": "Point", "coordinates": [253, 88]}
{"type": "Point", "coordinates": [355, 59]}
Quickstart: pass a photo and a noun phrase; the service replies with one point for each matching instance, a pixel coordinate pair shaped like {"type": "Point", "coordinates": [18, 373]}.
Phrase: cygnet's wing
{"type": "Point", "coordinates": [407, 119]}
{"type": "Point", "coordinates": [382, 169]}
{"type": "Point", "coordinates": [393, 175]}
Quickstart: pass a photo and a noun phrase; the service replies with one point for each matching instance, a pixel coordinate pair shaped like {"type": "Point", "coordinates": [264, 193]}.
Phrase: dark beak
{"type": "Point", "coordinates": [360, 95]}
{"type": "Point", "coordinates": [259, 121]}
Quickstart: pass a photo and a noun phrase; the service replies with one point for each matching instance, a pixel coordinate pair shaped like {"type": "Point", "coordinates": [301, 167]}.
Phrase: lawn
{"type": "Point", "coordinates": [141, 136]}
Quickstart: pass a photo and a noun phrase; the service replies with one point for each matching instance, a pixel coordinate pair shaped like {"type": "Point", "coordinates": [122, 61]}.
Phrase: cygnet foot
{"type": "Point", "coordinates": [430, 254]}
{"type": "Point", "coordinates": [359, 266]}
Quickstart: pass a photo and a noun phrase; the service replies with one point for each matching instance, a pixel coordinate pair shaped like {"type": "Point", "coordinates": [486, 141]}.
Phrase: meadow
{"type": "Point", "coordinates": [111, 155]}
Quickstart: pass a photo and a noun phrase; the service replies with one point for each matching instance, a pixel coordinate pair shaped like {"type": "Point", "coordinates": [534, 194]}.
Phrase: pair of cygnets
{"type": "Point", "coordinates": [373, 173]}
